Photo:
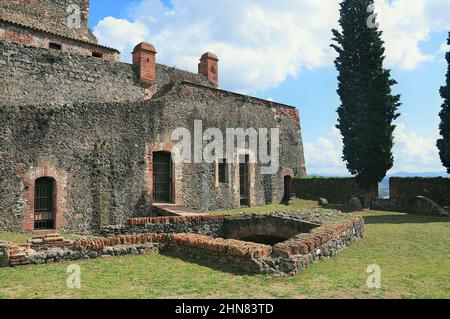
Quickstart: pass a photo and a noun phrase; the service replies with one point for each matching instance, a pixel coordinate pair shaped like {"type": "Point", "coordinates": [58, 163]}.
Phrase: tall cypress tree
{"type": "Point", "coordinates": [368, 107]}
{"type": "Point", "coordinates": [444, 143]}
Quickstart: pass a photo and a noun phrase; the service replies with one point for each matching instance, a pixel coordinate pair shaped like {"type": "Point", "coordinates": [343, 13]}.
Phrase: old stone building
{"type": "Point", "coordinates": [86, 141]}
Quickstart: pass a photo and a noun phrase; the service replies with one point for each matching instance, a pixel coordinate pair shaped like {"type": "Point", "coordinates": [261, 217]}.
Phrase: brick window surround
{"type": "Point", "coordinates": [46, 168]}
{"type": "Point", "coordinates": [176, 172]}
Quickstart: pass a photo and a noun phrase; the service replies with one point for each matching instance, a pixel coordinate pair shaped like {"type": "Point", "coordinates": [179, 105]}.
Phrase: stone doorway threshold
{"type": "Point", "coordinates": [165, 209]}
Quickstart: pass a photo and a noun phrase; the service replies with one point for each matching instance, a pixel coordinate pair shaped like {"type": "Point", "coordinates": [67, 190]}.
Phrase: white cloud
{"type": "Point", "coordinates": [414, 153]}
{"type": "Point", "coordinates": [405, 25]}
{"type": "Point", "coordinates": [263, 42]}
{"type": "Point", "coordinates": [121, 34]}
{"type": "Point", "coordinates": [324, 155]}
{"type": "Point", "coordinates": [444, 48]}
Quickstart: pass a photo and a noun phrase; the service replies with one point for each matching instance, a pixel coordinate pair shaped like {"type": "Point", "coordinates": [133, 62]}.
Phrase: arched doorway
{"type": "Point", "coordinates": [287, 188]}
{"type": "Point", "coordinates": [44, 203]}
{"type": "Point", "coordinates": [162, 177]}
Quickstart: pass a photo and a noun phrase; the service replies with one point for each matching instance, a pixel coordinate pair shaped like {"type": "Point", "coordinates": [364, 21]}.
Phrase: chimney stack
{"type": "Point", "coordinates": [209, 67]}
{"type": "Point", "coordinates": [144, 57]}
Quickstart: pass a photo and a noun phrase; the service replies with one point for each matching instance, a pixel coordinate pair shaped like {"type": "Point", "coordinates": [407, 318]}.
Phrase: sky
{"type": "Point", "coordinates": [279, 50]}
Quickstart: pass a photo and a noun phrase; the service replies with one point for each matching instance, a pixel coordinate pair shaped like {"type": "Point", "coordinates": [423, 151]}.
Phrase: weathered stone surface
{"type": "Point", "coordinates": [74, 78]}
{"type": "Point", "coordinates": [286, 258]}
{"type": "Point", "coordinates": [335, 190]}
{"type": "Point", "coordinates": [426, 206]}
{"type": "Point", "coordinates": [418, 205]}
{"type": "Point", "coordinates": [323, 202]}
{"type": "Point", "coordinates": [50, 16]}
{"type": "Point", "coordinates": [4, 253]}
{"type": "Point", "coordinates": [354, 204]}
{"type": "Point", "coordinates": [437, 189]}
{"type": "Point", "coordinates": [102, 150]}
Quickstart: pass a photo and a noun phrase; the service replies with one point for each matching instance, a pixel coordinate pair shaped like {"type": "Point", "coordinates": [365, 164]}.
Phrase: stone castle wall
{"type": "Point", "coordinates": [335, 190]}
{"type": "Point", "coordinates": [40, 76]}
{"type": "Point", "coordinates": [13, 33]}
{"type": "Point", "coordinates": [221, 109]}
{"type": "Point", "coordinates": [100, 156]}
{"type": "Point", "coordinates": [48, 15]}
{"type": "Point", "coordinates": [437, 189]}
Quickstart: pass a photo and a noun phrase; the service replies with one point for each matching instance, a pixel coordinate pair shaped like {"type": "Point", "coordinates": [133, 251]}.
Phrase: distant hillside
{"type": "Point", "coordinates": [426, 174]}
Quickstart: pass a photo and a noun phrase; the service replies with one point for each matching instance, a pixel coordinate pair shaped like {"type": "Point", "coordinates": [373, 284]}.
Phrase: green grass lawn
{"type": "Point", "coordinates": [412, 251]}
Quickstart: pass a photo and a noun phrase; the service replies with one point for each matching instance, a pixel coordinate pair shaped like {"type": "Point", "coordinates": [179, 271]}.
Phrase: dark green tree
{"type": "Point", "coordinates": [368, 107]}
{"type": "Point", "coordinates": [443, 144]}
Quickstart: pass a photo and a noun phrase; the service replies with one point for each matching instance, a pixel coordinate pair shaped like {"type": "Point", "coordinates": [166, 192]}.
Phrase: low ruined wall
{"type": "Point", "coordinates": [436, 189]}
{"type": "Point", "coordinates": [57, 255]}
{"type": "Point", "coordinates": [210, 225]}
{"type": "Point", "coordinates": [263, 225]}
{"type": "Point", "coordinates": [286, 258]}
{"type": "Point", "coordinates": [335, 190]}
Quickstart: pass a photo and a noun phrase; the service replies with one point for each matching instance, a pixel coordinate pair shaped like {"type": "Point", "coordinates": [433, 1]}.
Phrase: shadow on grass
{"type": "Point", "coordinates": [404, 218]}
{"type": "Point", "coordinates": [215, 265]}
{"type": "Point", "coordinates": [342, 207]}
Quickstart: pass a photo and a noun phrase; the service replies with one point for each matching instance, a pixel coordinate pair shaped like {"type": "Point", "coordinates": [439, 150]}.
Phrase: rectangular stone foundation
{"type": "Point", "coordinates": [307, 242]}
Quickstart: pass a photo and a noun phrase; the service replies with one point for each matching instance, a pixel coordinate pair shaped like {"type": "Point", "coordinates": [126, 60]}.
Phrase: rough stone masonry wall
{"type": "Point", "coordinates": [210, 225]}
{"type": "Point", "coordinates": [10, 32]}
{"type": "Point", "coordinates": [98, 155]}
{"type": "Point", "coordinates": [186, 102]}
{"type": "Point", "coordinates": [285, 258]}
{"type": "Point", "coordinates": [48, 15]}
{"type": "Point", "coordinates": [33, 76]}
{"type": "Point", "coordinates": [335, 190]}
{"type": "Point", "coordinates": [247, 226]}
{"type": "Point", "coordinates": [437, 189]}
{"type": "Point", "coordinates": [94, 152]}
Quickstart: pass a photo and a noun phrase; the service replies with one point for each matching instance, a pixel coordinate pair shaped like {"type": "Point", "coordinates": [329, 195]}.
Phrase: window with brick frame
{"type": "Point", "coordinates": [223, 171]}
{"type": "Point", "coordinates": [55, 46]}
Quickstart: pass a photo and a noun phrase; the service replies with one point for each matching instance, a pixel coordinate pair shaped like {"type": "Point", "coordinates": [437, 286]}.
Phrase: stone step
{"type": "Point", "coordinates": [176, 210]}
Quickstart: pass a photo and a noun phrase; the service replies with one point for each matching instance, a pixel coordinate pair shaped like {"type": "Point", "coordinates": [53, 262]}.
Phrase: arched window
{"type": "Point", "coordinates": [44, 203]}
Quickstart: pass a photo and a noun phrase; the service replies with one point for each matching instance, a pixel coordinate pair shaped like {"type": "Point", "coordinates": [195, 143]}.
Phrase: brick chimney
{"type": "Point", "coordinates": [144, 57]}
{"type": "Point", "coordinates": [209, 67]}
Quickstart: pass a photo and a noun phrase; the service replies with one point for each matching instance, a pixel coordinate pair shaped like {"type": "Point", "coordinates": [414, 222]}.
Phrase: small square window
{"type": "Point", "coordinates": [97, 55]}
{"type": "Point", "coordinates": [223, 171]}
{"type": "Point", "coordinates": [55, 46]}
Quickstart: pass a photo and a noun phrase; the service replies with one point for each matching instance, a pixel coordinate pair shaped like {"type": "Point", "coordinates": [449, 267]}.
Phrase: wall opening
{"type": "Point", "coordinates": [162, 177]}
{"type": "Point", "coordinates": [97, 54]}
{"type": "Point", "coordinates": [264, 239]}
{"type": "Point", "coordinates": [244, 180]}
{"type": "Point", "coordinates": [55, 46]}
{"type": "Point", "coordinates": [287, 188]}
{"type": "Point", "coordinates": [223, 171]}
{"type": "Point", "coordinates": [44, 203]}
